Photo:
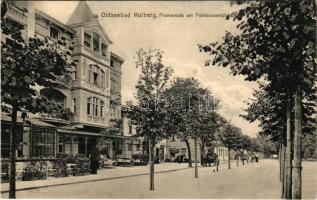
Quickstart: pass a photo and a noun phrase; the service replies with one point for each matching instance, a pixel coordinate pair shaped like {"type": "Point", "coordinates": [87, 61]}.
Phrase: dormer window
{"type": "Point", "coordinates": [87, 40]}
{"type": "Point", "coordinates": [54, 33]}
{"type": "Point", "coordinates": [104, 49]}
{"type": "Point", "coordinates": [95, 40]}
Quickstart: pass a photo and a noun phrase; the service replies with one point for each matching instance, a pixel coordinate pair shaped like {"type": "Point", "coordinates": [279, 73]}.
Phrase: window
{"type": "Point", "coordinates": [102, 78]}
{"type": "Point", "coordinates": [107, 77]}
{"type": "Point", "coordinates": [95, 78]}
{"type": "Point", "coordinates": [130, 147]}
{"type": "Point", "coordinates": [75, 105]}
{"type": "Point", "coordinates": [103, 49]}
{"type": "Point", "coordinates": [90, 74]}
{"type": "Point", "coordinates": [88, 106]}
{"type": "Point", "coordinates": [130, 128]}
{"type": "Point", "coordinates": [61, 144]}
{"type": "Point", "coordinates": [54, 33]}
{"type": "Point", "coordinates": [95, 107]}
{"type": "Point", "coordinates": [101, 108]}
{"type": "Point", "coordinates": [95, 41]}
{"type": "Point", "coordinates": [74, 74]}
{"type": "Point", "coordinates": [43, 141]}
{"type": "Point", "coordinates": [87, 40]}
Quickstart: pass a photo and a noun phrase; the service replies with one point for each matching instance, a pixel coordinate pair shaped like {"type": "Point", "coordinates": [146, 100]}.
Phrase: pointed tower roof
{"type": "Point", "coordinates": [82, 14]}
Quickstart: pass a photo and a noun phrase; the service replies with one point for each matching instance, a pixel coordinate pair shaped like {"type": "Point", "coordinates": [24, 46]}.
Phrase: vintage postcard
{"type": "Point", "coordinates": [158, 99]}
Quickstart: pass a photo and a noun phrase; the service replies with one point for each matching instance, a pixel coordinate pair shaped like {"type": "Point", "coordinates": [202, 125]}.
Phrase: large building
{"type": "Point", "coordinates": [92, 96]}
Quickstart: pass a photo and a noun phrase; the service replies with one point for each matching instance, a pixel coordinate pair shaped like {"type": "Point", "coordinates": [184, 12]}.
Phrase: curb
{"type": "Point", "coordinates": [94, 180]}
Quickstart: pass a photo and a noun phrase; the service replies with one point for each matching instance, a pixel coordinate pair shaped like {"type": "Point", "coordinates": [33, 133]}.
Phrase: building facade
{"type": "Point", "coordinates": [92, 96]}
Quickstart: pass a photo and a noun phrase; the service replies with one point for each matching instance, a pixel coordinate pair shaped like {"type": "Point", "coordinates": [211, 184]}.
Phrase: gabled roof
{"type": "Point", "coordinates": [83, 15]}
{"type": "Point", "coordinates": [55, 21]}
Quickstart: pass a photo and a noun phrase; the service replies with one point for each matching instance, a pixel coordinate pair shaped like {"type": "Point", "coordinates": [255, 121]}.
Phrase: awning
{"type": "Point", "coordinates": [72, 131]}
{"type": "Point", "coordinates": [33, 121]}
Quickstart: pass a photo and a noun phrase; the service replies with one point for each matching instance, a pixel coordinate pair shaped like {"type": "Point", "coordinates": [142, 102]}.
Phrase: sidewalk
{"type": "Point", "coordinates": [103, 174]}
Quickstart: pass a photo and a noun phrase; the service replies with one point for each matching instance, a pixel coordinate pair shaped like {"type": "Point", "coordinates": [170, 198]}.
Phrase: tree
{"type": "Point", "coordinates": [186, 100]}
{"type": "Point", "coordinates": [209, 124]}
{"type": "Point", "coordinates": [277, 42]}
{"type": "Point", "coordinates": [245, 144]}
{"type": "Point", "coordinates": [229, 137]}
{"type": "Point", "coordinates": [25, 65]}
{"type": "Point", "coordinates": [152, 108]}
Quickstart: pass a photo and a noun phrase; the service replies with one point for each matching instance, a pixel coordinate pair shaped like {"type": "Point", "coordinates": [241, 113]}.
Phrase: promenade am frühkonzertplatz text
{"type": "Point", "coordinates": [161, 15]}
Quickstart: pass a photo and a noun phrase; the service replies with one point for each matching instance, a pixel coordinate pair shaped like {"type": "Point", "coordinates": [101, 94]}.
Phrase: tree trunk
{"type": "Point", "coordinates": [288, 159]}
{"type": "Point", "coordinates": [12, 153]}
{"type": "Point", "coordinates": [237, 160]}
{"type": "Point", "coordinates": [229, 164]}
{"type": "Point", "coordinates": [297, 168]}
{"type": "Point", "coordinates": [282, 167]}
{"type": "Point", "coordinates": [190, 163]}
{"type": "Point", "coordinates": [202, 155]}
{"type": "Point", "coordinates": [196, 164]}
{"type": "Point", "coordinates": [151, 159]}
{"type": "Point", "coordinates": [280, 160]}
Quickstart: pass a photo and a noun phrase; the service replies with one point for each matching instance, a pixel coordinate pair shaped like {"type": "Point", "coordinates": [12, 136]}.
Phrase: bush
{"type": "Point", "coordinates": [4, 170]}
{"type": "Point", "coordinates": [59, 164]}
{"type": "Point", "coordinates": [82, 166]}
{"type": "Point", "coordinates": [33, 172]}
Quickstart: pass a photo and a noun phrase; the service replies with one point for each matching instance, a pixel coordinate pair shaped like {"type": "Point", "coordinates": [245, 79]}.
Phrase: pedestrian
{"type": "Point", "coordinates": [94, 160]}
{"type": "Point", "coordinates": [256, 158]}
{"type": "Point", "coordinates": [181, 158]}
{"type": "Point", "coordinates": [216, 161]}
{"type": "Point", "coordinates": [204, 160]}
{"type": "Point", "coordinates": [178, 158]}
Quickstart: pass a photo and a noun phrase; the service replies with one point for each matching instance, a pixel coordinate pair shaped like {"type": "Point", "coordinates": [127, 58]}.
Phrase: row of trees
{"type": "Point", "coordinates": [180, 108]}
{"type": "Point", "coordinates": [277, 47]}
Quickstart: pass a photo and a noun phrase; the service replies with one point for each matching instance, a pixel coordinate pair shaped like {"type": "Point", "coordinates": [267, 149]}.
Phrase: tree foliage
{"type": "Point", "coordinates": [276, 44]}
{"type": "Point", "coordinates": [150, 87]}
{"type": "Point", "coordinates": [27, 66]}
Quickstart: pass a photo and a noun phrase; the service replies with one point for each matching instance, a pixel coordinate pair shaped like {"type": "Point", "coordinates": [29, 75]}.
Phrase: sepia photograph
{"type": "Point", "coordinates": [158, 99]}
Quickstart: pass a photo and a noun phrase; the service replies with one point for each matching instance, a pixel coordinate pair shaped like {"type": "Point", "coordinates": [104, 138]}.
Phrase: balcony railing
{"type": "Point", "coordinates": [64, 115]}
{"type": "Point", "coordinates": [65, 81]}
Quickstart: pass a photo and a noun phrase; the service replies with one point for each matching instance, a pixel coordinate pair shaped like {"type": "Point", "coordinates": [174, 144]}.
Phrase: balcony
{"type": "Point", "coordinates": [115, 98]}
{"type": "Point", "coordinates": [115, 125]}
{"type": "Point", "coordinates": [62, 117]}
{"type": "Point", "coordinates": [17, 14]}
{"type": "Point", "coordinates": [64, 81]}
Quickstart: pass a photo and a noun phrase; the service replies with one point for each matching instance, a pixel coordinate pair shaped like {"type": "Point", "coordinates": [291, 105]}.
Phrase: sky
{"type": "Point", "coordinates": [178, 38]}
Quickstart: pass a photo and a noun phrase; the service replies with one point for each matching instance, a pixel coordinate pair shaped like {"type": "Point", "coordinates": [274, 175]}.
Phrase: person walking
{"type": "Point", "coordinates": [216, 161]}
{"type": "Point", "coordinates": [94, 160]}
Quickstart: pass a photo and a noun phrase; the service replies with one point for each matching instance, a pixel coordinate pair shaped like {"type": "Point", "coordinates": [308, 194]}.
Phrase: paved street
{"type": "Point", "coordinates": [255, 180]}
